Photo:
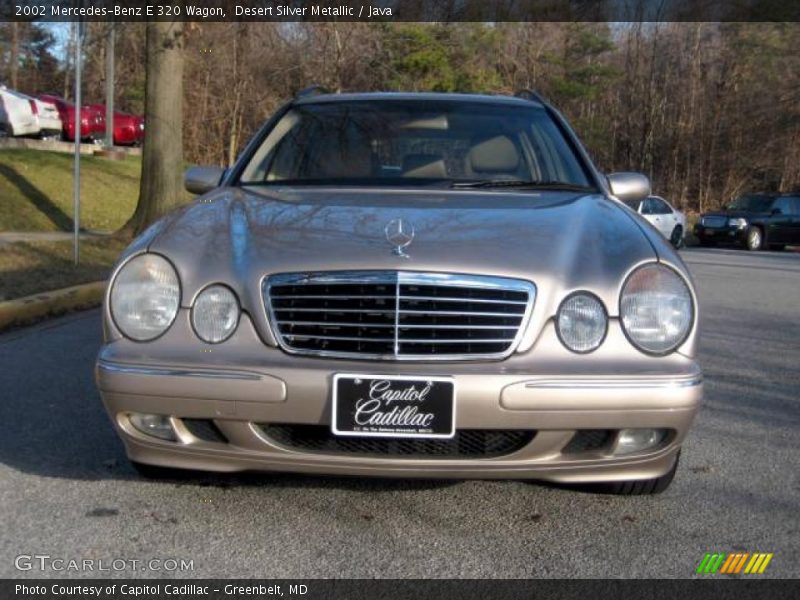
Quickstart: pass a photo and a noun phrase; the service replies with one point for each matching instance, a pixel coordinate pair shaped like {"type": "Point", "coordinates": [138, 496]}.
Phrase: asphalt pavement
{"type": "Point", "coordinates": [67, 491]}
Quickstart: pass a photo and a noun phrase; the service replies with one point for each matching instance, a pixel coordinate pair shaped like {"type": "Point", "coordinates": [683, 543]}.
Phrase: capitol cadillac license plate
{"type": "Point", "coordinates": [393, 406]}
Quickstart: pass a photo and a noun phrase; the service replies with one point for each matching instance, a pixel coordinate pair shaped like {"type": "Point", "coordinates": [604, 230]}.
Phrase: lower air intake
{"type": "Point", "coordinates": [587, 440]}
{"type": "Point", "coordinates": [466, 444]}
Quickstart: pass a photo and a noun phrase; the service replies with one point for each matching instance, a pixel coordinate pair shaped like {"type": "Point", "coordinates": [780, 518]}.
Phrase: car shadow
{"type": "Point", "coordinates": [39, 199]}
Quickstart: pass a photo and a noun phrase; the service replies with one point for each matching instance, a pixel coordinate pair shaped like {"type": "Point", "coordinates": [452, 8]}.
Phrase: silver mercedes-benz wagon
{"type": "Point", "coordinates": [406, 285]}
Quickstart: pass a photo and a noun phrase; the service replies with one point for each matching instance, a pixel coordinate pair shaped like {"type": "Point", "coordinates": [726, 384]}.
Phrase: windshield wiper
{"type": "Point", "coordinates": [521, 183]}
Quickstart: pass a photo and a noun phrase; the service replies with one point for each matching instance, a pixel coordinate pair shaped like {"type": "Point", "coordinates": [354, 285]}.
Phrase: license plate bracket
{"type": "Point", "coordinates": [396, 406]}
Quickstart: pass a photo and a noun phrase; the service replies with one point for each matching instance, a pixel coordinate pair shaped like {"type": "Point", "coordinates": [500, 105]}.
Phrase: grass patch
{"type": "Point", "coordinates": [31, 267]}
{"type": "Point", "coordinates": [36, 191]}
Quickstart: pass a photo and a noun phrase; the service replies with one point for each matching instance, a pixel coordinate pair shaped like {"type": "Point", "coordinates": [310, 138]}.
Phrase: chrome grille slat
{"type": "Point", "coordinates": [405, 311]}
{"type": "Point", "coordinates": [429, 316]}
{"type": "Point", "coordinates": [337, 337]}
{"type": "Point", "coordinates": [334, 310]}
{"type": "Point", "coordinates": [335, 324]}
{"type": "Point", "coordinates": [402, 326]}
{"type": "Point", "coordinates": [476, 300]}
{"type": "Point", "coordinates": [342, 297]}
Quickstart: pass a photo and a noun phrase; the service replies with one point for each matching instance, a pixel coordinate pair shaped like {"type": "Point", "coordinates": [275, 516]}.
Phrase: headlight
{"type": "Point", "coordinates": [215, 314]}
{"type": "Point", "coordinates": [738, 223]}
{"type": "Point", "coordinates": [145, 297]}
{"type": "Point", "coordinates": [581, 322]}
{"type": "Point", "coordinates": [656, 309]}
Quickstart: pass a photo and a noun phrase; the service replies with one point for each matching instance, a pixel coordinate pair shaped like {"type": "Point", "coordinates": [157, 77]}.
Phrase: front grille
{"type": "Point", "coordinates": [714, 222]}
{"type": "Point", "coordinates": [398, 315]}
{"type": "Point", "coordinates": [467, 443]}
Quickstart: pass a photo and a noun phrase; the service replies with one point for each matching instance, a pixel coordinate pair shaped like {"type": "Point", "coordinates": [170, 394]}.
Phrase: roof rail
{"type": "Point", "coordinates": [312, 90]}
{"type": "Point", "coordinates": [529, 94]}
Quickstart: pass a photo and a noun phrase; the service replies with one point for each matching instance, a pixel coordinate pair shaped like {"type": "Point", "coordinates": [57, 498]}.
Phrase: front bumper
{"type": "Point", "coordinates": [546, 390]}
{"type": "Point", "coordinates": [721, 235]}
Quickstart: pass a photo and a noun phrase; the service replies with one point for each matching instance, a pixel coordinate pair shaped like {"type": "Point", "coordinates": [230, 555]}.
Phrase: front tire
{"type": "Point", "coordinates": [755, 239]}
{"type": "Point", "coordinates": [676, 239]}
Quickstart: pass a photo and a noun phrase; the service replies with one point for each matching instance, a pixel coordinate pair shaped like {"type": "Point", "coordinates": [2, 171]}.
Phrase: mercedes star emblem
{"type": "Point", "coordinates": [400, 234]}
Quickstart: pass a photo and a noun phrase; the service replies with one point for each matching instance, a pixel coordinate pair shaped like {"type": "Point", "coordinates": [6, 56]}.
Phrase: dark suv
{"type": "Point", "coordinates": [757, 221]}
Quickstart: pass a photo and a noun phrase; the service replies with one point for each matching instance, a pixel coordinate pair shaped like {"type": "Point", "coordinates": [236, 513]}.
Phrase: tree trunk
{"type": "Point", "coordinates": [161, 185]}
{"type": "Point", "coordinates": [14, 59]}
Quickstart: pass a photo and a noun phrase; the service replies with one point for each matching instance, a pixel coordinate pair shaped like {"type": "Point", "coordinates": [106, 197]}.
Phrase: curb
{"type": "Point", "coordinates": [48, 304]}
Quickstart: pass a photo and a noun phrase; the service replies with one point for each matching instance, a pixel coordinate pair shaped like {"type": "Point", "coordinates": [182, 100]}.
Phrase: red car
{"type": "Point", "coordinates": [128, 128]}
{"type": "Point", "coordinates": [93, 122]}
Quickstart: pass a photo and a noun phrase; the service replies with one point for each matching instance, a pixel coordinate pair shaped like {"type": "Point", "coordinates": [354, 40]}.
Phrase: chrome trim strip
{"type": "Point", "coordinates": [629, 382]}
{"type": "Point", "coordinates": [112, 367]}
{"type": "Point", "coordinates": [398, 278]}
{"type": "Point", "coordinates": [404, 326]}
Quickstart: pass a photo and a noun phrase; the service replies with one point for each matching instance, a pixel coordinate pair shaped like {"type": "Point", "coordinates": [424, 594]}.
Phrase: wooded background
{"type": "Point", "coordinates": [707, 110]}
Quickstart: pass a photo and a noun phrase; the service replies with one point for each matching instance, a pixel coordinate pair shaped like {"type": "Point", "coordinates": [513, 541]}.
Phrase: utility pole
{"type": "Point", "coordinates": [76, 179]}
{"type": "Point", "coordinates": [110, 87]}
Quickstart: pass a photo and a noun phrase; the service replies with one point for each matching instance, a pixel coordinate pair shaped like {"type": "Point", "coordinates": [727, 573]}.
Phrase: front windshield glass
{"type": "Point", "coordinates": [751, 203]}
{"type": "Point", "coordinates": [391, 142]}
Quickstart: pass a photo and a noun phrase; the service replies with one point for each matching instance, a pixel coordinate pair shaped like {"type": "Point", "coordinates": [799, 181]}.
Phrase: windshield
{"type": "Point", "coordinates": [390, 142]}
{"type": "Point", "coordinates": [751, 203]}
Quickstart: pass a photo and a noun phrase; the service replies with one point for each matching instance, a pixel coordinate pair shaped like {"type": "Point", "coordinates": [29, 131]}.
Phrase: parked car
{"type": "Point", "coordinates": [92, 127]}
{"type": "Point", "coordinates": [18, 114]}
{"type": "Point", "coordinates": [669, 221]}
{"type": "Point", "coordinates": [50, 125]}
{"type": "Point", "coordinates": [128, 129]}
{"type": "Point", "coordinates": [409, 285]}
{"type": "Point", "coordinates": [755, 221]}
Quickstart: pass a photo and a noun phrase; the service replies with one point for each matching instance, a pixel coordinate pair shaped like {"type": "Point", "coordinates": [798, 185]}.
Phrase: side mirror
{"type": "Point", "coordinates": [776, 211]}
{"type": "Point", "coordinates": [199, 180]}
{"type": "Point", "coordinates": [629, 187]}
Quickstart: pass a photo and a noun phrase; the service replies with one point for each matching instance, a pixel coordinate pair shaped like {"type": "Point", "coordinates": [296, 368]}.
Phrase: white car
{"type": "Point", "coordinates": [24, 115]}
{"type": "Point", "coordinates": [17, 116]}
{"type": "Point", "coordinates": [50, 124]}
{"type": "Point", "coordinates": [668, 220]}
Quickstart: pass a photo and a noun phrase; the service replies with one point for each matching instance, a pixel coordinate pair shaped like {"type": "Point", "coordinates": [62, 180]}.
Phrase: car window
{"type": "Point", "coordinates": [660, 207]}
{"type": "Point", "coordinates": [401, 142]}
{"type": "Point", "coordinates": [794, 205]}
{"type": "Point", "coordinates": [752, 203]}
{"type": "Point", "coordinates": [783, 204]}
{"type": "Point", "coordinates": [649, 207]}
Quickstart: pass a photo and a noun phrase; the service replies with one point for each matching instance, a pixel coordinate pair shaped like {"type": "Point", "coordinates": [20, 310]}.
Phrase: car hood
{"type": "Point", "coordinates": [560, 241]}
{"type": "Point", "coordinates": [734, 214]}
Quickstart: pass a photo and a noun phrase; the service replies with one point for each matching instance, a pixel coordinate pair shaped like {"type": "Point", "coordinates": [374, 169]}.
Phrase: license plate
{"type": "Point", "coordinates": [393, 406]}
{"type": "Point", "coordinates": [710, 232]}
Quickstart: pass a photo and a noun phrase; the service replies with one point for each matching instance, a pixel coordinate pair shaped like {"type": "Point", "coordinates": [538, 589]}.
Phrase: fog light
{"type": "Point", "coordinates": [636, 440]}
{"type": "Point", "coordinates": [155, 425]}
